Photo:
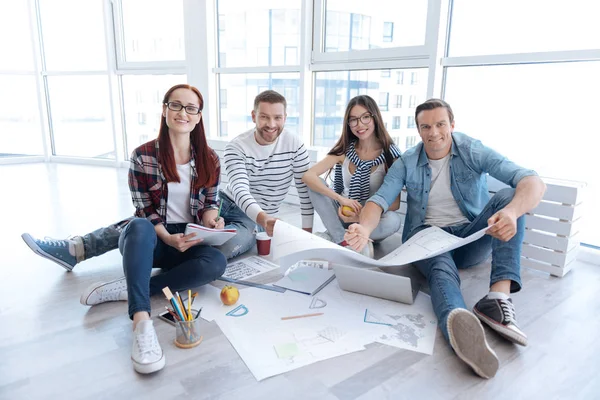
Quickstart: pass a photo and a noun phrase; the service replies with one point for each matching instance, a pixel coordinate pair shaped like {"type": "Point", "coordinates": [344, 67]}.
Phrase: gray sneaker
{"type": "Point", "coordinates": [101, 292]}
{"type": "Point", "coordinates": [467, 338]}
{"type": "Point", "coordinates": [499, 314]}
{"type": "Point", "coordinates": [60, 251]}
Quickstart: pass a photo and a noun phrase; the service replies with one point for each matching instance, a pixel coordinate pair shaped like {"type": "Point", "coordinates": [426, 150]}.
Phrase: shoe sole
{"type": "Point", "coordinates": [37, 250]}
{"type": "Point", "coordinates": [467, 338]}
{"type": "Point", "coordinates": [149, 368]}
{"type": "Point", "coordinates": [90, 289]}
{"type": "Point", "coordinates": [506, 333]}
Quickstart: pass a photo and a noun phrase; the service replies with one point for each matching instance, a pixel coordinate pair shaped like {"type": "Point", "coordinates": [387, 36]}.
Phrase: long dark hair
{"type": "Point", "coordinates": [206, 161]}
{"type": "Point", "coordinates": [381, 133]}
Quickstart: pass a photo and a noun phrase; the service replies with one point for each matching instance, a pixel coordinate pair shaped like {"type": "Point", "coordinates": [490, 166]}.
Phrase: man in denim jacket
{"type": "Point", "coordinates": [446, 185]}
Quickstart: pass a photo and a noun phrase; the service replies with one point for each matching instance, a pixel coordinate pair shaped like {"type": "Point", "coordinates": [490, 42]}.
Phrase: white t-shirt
{"type": "Point", "coordinates": [375, 178]}
{"type": "Point", "coordinates": [178, 202]}
{"type": "Point", "coordinates": [442, 209]}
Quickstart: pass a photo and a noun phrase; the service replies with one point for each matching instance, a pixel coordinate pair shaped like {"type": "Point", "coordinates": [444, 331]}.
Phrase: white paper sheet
{"type": "Point", "coordinates": [291, 244]}
{"type": "Point", "coordinates": [248, 267]}
{"type": "Point", "coordinates": [270, 346]}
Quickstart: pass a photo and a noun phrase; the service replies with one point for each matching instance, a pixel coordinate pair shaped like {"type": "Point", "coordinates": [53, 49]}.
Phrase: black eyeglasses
{"type": "Point", "coordinates": [365, 119]}
{"type": "Point", "coordinates": [192, 110]}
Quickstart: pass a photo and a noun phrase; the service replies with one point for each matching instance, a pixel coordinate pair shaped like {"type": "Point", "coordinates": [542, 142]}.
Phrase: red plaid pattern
{"type": "Point", "coordinates": [148, 186]}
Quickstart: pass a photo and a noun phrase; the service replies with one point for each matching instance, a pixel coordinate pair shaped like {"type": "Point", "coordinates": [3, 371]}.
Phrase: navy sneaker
{"type": "Point", "coordinates": [499, 314]}
{"type": "Point", "coordinates": [467, 338]}
{"type": "Point", "coordinates": [55, 250]}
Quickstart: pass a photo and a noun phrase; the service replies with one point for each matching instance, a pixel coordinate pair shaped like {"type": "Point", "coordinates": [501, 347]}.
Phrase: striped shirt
{"type": "Point", "coordinates": [259, 177]}
{"type": "Point", "coordinates": [149, 190]}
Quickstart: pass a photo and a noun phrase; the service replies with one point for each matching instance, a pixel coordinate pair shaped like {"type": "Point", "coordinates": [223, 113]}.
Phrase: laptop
{"type": "Point", "coordinates": [377, 283]}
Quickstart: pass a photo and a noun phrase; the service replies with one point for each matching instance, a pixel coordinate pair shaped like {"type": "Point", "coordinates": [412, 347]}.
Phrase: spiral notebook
{"type": "Point", "coordinates": [306, 280]}
{"type": "Point", "coordinates": [212, 237]}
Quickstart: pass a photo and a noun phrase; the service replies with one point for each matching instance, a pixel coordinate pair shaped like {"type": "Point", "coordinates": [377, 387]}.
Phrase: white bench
{"type": "Point", "coordinates": [551, 238]}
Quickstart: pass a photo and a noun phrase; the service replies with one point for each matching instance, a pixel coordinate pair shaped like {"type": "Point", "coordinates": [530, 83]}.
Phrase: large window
{"type": "Point", "coordinates": [154, 34]}
{"type": "Point", "coordinates": [530, 91]}
{"type": "Point", "coordinates": [20, 127]}
{"type": "Point", "coordinates": [253, 33]}
{"type": "Point", "coordinates": [334, 89]}
{"type": "Point", "coordinates": [364, 25]}
{"type": "Point", "coordinates": [15, 38]}
{"type": "Point", "coordinates": [76, 43]}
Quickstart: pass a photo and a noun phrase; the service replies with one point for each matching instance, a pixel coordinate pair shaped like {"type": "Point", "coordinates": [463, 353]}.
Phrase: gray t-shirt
{"type": "Point", "coordinates": [442, 209]}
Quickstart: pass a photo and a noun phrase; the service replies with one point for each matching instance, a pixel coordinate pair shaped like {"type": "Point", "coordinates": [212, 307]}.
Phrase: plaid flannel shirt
{"type": "Point", "coordinates": [149, 191]}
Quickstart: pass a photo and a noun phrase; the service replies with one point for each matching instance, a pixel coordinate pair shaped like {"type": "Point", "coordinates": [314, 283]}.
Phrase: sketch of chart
{"type": "Point", "coordinates": [407, 328]}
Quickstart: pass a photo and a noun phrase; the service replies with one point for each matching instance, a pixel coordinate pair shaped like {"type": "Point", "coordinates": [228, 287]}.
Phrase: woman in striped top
{"type": "Point", "coordinates": [359, 161]}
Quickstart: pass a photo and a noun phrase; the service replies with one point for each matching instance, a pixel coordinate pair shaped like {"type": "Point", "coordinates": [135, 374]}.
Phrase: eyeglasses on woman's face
{"type": "Point", "coordinates": [192, 110]}
{"type": "Point", "coordinates": [365, 119]}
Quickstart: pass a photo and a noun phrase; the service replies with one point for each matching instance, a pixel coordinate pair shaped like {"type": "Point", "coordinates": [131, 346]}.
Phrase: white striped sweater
{"type": "Point", "coordinates": [259, 177]}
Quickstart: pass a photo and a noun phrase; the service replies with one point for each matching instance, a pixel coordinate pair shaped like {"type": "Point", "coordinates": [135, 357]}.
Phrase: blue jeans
{"type": "Point", "coordinates": [327, 208]}
{"type": "Point", "coordinates": [105, 239]}
{"type": "Point", "coordinates": [142, 250]}
{"type": "Point", "coordinates": [441, 271]}
{"type": "Point", "coordinates": [234, 217]}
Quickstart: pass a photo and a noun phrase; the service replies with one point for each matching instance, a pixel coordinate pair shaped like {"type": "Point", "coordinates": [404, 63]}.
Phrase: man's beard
{"type": "Point", "coordinates": [266, 136]}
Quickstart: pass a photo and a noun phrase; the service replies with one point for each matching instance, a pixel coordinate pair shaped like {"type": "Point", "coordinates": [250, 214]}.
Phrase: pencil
{"type": "Point", "coordinates": [361, 236]}
{"type": "Point", "coordinates": [302, 316]}
{"type": "Point", "coordinates": [189, 305]}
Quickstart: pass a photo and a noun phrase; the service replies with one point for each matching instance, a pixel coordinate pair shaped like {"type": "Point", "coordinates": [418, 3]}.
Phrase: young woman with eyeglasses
{"type": "Point", "coordinates": [173, 181]}
{"type": "Point", "coordinates": [359, 161]}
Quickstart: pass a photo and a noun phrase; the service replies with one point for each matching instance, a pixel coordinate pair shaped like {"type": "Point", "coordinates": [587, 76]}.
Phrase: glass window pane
{"type": "Point", "coordinates": [334, 89]}
{"type": "Point", "coordinates": [515, 26]}
{"type": "Point", "coordinates": [74, 43]}
{"type": "Point", "coordinates": [142, 98]}
{"type": "Point", "coordinates": [20, 130]}
{"type": "Point", "coordinates": [253, 33]}
{"type": "Point", "coordinates": [541, 116]}
{"type": "Point", "coordinates": [361, 25]}
{"type": "Point", "coordinates": [80, 113]}
{"type": "Point", "coordinates": [16, 42]}
{"type": "Point", "coordinates": [155, 34]}
{"type": "Point", "coordinates": [241, 91]}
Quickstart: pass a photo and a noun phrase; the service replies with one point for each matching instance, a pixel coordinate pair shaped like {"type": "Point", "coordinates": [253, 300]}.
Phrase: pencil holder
{"type": "Point", "coordinates": [187, 333]}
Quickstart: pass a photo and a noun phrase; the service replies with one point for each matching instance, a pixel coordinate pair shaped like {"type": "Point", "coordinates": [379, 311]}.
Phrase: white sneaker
{"type": "Point", "coordinates": [101, 292]}
{"type": "Point", "coordinates": [146, 354]}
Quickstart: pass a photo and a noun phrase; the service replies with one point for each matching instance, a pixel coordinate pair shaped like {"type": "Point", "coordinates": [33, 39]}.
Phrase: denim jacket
{"type": "Point", "coordinates": [469, 162]}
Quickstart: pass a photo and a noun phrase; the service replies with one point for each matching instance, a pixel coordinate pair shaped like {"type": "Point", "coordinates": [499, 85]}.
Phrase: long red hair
{"type": "Point", "coordinates": [206, 160]}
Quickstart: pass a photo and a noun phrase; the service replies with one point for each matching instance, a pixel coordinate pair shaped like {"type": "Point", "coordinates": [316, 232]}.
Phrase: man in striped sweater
{"type": "Point", "coordinates": [260, 165]}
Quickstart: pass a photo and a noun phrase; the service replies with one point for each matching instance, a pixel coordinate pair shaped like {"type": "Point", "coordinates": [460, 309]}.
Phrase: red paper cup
{"type": "Point", "coordinates": [263, 244]}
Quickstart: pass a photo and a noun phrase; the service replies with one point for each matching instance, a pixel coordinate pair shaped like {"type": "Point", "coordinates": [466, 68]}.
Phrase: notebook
{"type": "Point", "coordinates": [377, 283]}
{"type": "Point", "coordinates": [212, 237]}
{"type": "Point", "coordinates": [306, 280]}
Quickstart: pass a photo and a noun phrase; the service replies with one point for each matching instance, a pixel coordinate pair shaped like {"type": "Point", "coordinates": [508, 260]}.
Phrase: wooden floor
{"type": "Point", "coordinates": [52, 347]}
